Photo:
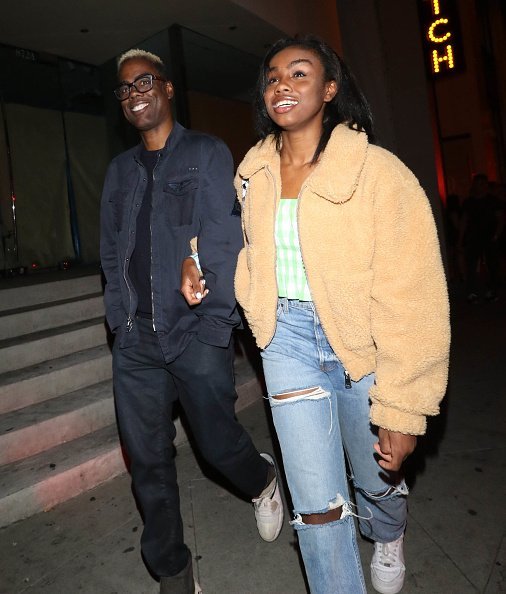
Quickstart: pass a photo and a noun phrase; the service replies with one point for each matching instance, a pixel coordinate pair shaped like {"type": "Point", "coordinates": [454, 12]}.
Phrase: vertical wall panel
{"type": "Point", "coordinates": [89, 156]}
{"type": "Point", "coordinates": [38, 158]}
{"type": "Point", "coordinates": [5, 205]}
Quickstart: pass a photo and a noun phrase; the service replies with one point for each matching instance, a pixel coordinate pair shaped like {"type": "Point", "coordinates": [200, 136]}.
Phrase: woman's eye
{"type": "Point", "coordinates": [271, 80]}
{"type": "Point", "coordinates": [299, 74]}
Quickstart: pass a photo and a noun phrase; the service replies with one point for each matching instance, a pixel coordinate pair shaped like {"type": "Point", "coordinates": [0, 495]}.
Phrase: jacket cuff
{"type": "Point", "coordinates": [394, 419]}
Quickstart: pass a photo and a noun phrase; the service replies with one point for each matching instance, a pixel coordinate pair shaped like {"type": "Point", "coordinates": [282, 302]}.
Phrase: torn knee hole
{"type": "Point", "coordinates": [323, 518]}
{"type": "Point", "coordinates": [389, 492]}
{"type": "Point", "coordinates": [309, 393]}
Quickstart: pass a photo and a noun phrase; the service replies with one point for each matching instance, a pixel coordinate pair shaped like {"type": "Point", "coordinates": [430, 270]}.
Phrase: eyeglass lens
{"type": "Point", "coordinates": [142, 85]}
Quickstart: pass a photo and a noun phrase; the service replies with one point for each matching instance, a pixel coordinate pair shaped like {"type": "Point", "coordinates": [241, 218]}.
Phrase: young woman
{"type": "Point", "coordinates": [342, 284]}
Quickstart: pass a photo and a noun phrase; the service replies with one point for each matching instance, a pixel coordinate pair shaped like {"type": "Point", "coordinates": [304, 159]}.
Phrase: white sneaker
{"type": "Point", "coordinates": [387, 566]}
{"type": "Point", "coordinates": [269, 508]}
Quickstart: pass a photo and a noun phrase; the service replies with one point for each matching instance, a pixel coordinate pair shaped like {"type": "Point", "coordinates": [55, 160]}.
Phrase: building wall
{"type": "Point", "coordinates": [382, 45]}
{"type": "Point", "coordinates": [299, 16]}
{"type": "Point", "coordinates": [470, 129]}
{"type": "Point", "coordinates": [230, 119]}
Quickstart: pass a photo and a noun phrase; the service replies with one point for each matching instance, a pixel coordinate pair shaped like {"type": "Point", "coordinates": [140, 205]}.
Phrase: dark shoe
{"type": "Point", "coordinates": [491, 297]}
{"type": "Point", "coordinates": [181, 583]}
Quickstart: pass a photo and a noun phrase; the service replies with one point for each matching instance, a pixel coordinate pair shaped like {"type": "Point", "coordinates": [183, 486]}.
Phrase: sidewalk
{"type": "Point", "coordinates": [455, 542]}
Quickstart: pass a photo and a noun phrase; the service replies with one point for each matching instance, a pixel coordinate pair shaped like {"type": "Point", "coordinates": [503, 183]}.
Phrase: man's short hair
{"type": "Point", "coordinates": [140, 54]}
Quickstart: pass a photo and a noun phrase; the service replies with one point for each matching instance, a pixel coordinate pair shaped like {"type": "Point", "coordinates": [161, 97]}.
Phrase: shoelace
{"type": "Point", "coordinates": [267, 504]}
{"type": "Point", "coordinates": [388, 553]}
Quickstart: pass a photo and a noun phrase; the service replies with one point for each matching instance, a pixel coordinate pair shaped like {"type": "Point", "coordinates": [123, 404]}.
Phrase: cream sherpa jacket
{"type": "Point", "coordinates": [373, 264]}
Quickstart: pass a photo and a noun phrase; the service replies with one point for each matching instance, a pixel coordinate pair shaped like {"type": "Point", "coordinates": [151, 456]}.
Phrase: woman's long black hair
{"type": "Point", "coordinates": [349, 105]}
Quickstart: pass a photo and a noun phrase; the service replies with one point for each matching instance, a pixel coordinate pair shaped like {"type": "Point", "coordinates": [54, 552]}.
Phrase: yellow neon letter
{"type": "Point", "coordinates": [435, 6]}
{"type": "Point", "coordinates": [448, 58]}
{"type": "Point", "coordinates": [433, 37]}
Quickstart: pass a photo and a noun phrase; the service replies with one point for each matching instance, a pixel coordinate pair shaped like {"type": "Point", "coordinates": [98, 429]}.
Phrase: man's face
{"type": "Point", "coordinates": [150, 110]}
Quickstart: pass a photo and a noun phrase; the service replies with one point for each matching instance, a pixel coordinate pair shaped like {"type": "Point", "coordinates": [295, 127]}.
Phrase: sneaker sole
{"type": "Point", "coordinates": [383, 588]}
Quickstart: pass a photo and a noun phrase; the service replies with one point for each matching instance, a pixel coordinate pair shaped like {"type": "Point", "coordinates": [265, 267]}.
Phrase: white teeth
{"type": "Point", "coordinates": [285, 103]}
{"type": "Point", "coordinates": [139, 106]}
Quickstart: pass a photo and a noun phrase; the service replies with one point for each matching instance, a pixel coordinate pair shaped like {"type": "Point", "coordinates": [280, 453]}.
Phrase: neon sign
{"type": "Point", "coordinates": [442, 39]}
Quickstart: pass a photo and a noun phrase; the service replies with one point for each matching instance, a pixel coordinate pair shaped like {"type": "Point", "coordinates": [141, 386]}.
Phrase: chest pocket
{"type": "Point", "coordinates": [117, 202]}
{"type": "Point", "coordinates": [181, 195]}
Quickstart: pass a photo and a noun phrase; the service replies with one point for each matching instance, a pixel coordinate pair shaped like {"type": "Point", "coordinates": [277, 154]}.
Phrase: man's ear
{"type": "Point", "coordinates": [169, 89]}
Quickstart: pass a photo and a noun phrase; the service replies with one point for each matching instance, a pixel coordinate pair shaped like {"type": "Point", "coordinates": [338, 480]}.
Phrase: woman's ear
{"type": "Point", "coordinates": [331, 91]}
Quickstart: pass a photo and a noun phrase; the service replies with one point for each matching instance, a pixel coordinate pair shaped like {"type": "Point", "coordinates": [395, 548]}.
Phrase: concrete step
{"type": "Point", "coordinates": [26, 320]}
{"type": "Point", "coordinates": [38, 293]}
{"type": "Point", "coordinates": [23, 387]}
{"type": "Point", "coordinates": [40, 482]}
{"type": "Point", "coordinates": [39, 427]}
{"type": "Point", "coordinates": [19, 352]}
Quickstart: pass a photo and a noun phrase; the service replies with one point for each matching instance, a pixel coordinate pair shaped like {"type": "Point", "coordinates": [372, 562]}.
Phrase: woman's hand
{"type": "Point", "coordinates": [193, 285]}
{"type": "Point", "coordinates": [393, 448]}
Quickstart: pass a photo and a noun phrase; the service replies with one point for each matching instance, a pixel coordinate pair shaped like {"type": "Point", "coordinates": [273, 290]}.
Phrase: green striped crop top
{"type": "Point", "coordinates": [290, 273]}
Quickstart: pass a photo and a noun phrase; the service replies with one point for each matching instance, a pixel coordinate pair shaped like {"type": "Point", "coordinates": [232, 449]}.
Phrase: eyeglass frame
{"type": "Point", "coordinates": [132, 84]}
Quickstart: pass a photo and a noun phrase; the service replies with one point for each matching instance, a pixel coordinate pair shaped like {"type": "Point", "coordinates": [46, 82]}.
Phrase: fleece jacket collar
{"type": "Point", "coordinates": [336, 175]}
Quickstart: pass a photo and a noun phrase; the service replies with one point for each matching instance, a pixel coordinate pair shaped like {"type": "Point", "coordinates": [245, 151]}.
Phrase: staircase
{"type": "Point", "coordinates": [58, 433]}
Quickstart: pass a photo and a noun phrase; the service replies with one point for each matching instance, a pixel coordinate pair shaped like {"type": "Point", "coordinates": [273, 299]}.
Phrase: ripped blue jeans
{"type": "Point", "coordinates": [321, 418]}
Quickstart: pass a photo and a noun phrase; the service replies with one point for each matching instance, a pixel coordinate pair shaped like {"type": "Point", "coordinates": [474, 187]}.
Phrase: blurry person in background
{"type": "Point", "coordinates": [453, 215]}
{"type": "Point", "coordinates": [499, 191]}
{"type": "Point", "coordinates": [482, 225]}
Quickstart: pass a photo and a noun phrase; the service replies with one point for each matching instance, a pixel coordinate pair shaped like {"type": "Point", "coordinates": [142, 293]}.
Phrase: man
{"type": "Point", "coordinates": [175, 186]}
{"type": "Point", "coordinates": [482, 225]}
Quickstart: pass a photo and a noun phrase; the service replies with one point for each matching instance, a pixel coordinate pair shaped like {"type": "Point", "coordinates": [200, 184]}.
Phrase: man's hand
{"type": "Point", "coordinates": [393, 448]}
{"type": "Point", "coordinates": [193, 285]}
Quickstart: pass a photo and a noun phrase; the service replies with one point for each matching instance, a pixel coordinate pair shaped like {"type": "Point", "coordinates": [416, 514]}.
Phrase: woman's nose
{"type": "Point", "coordinates": [283, 84]}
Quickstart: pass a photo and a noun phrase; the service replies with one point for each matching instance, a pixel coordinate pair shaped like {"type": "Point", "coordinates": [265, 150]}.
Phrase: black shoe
{"type": "Point", "coordinates": [491, 297]}
{"type": "Point", "coordinates": [181, 583]}
{"type": "Point", "coordinates": [473, 298]}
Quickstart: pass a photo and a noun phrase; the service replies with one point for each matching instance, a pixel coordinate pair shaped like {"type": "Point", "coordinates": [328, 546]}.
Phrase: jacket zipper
{"type": "Point", "coordinates": [130, 321]}
{"type": "Point", "coordinates": [303, 187]}
{"type": "Point", "coordinates": [151, 246]}
{"type": "Point", "coordinates": [347, 379]}
{"type": "Point", "coordinates": [273, 232]}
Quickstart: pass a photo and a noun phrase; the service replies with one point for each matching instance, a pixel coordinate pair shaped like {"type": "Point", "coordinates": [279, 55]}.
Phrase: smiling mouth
{"type": "Point", "coordinates": [139, 107]}
{"type": "Point", "coordinates": [283, 103]}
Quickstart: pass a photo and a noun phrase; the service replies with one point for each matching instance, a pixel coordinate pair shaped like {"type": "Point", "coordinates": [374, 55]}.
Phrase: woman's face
{"type": "Point", "coordinates": [296, 91]}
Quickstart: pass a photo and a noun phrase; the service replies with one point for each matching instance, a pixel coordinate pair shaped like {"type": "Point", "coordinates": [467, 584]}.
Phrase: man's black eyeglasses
{"type": "Point", "coordinates": [142, 84]}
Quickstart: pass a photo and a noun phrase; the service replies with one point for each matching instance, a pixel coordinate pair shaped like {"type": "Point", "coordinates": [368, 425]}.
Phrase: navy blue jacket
{"type": "Point", "coordinates": [193, 196]}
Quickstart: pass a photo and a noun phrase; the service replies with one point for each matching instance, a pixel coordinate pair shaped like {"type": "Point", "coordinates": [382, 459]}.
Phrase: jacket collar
{"type": "Point", "coordinates": [334, 178]}
{"type": "Point", "coordinates": [170, 143]}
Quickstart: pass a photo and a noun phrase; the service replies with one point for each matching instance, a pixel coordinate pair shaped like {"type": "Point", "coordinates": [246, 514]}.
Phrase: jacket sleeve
{"type": "Point", "coordinates": [109, 212]}
{"type": "Point", "coordinates": [409, 306]}
{"type": "Point", "coordinates": [219, 242]}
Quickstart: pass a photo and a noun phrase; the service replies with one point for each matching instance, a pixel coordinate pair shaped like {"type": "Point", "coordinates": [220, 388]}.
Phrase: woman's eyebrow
{"type": "Point", "coordinates": [292, 63]}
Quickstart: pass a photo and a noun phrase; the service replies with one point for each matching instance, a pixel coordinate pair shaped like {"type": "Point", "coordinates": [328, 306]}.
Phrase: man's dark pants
{"type": "Point", "coordinates": [145, 390]}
